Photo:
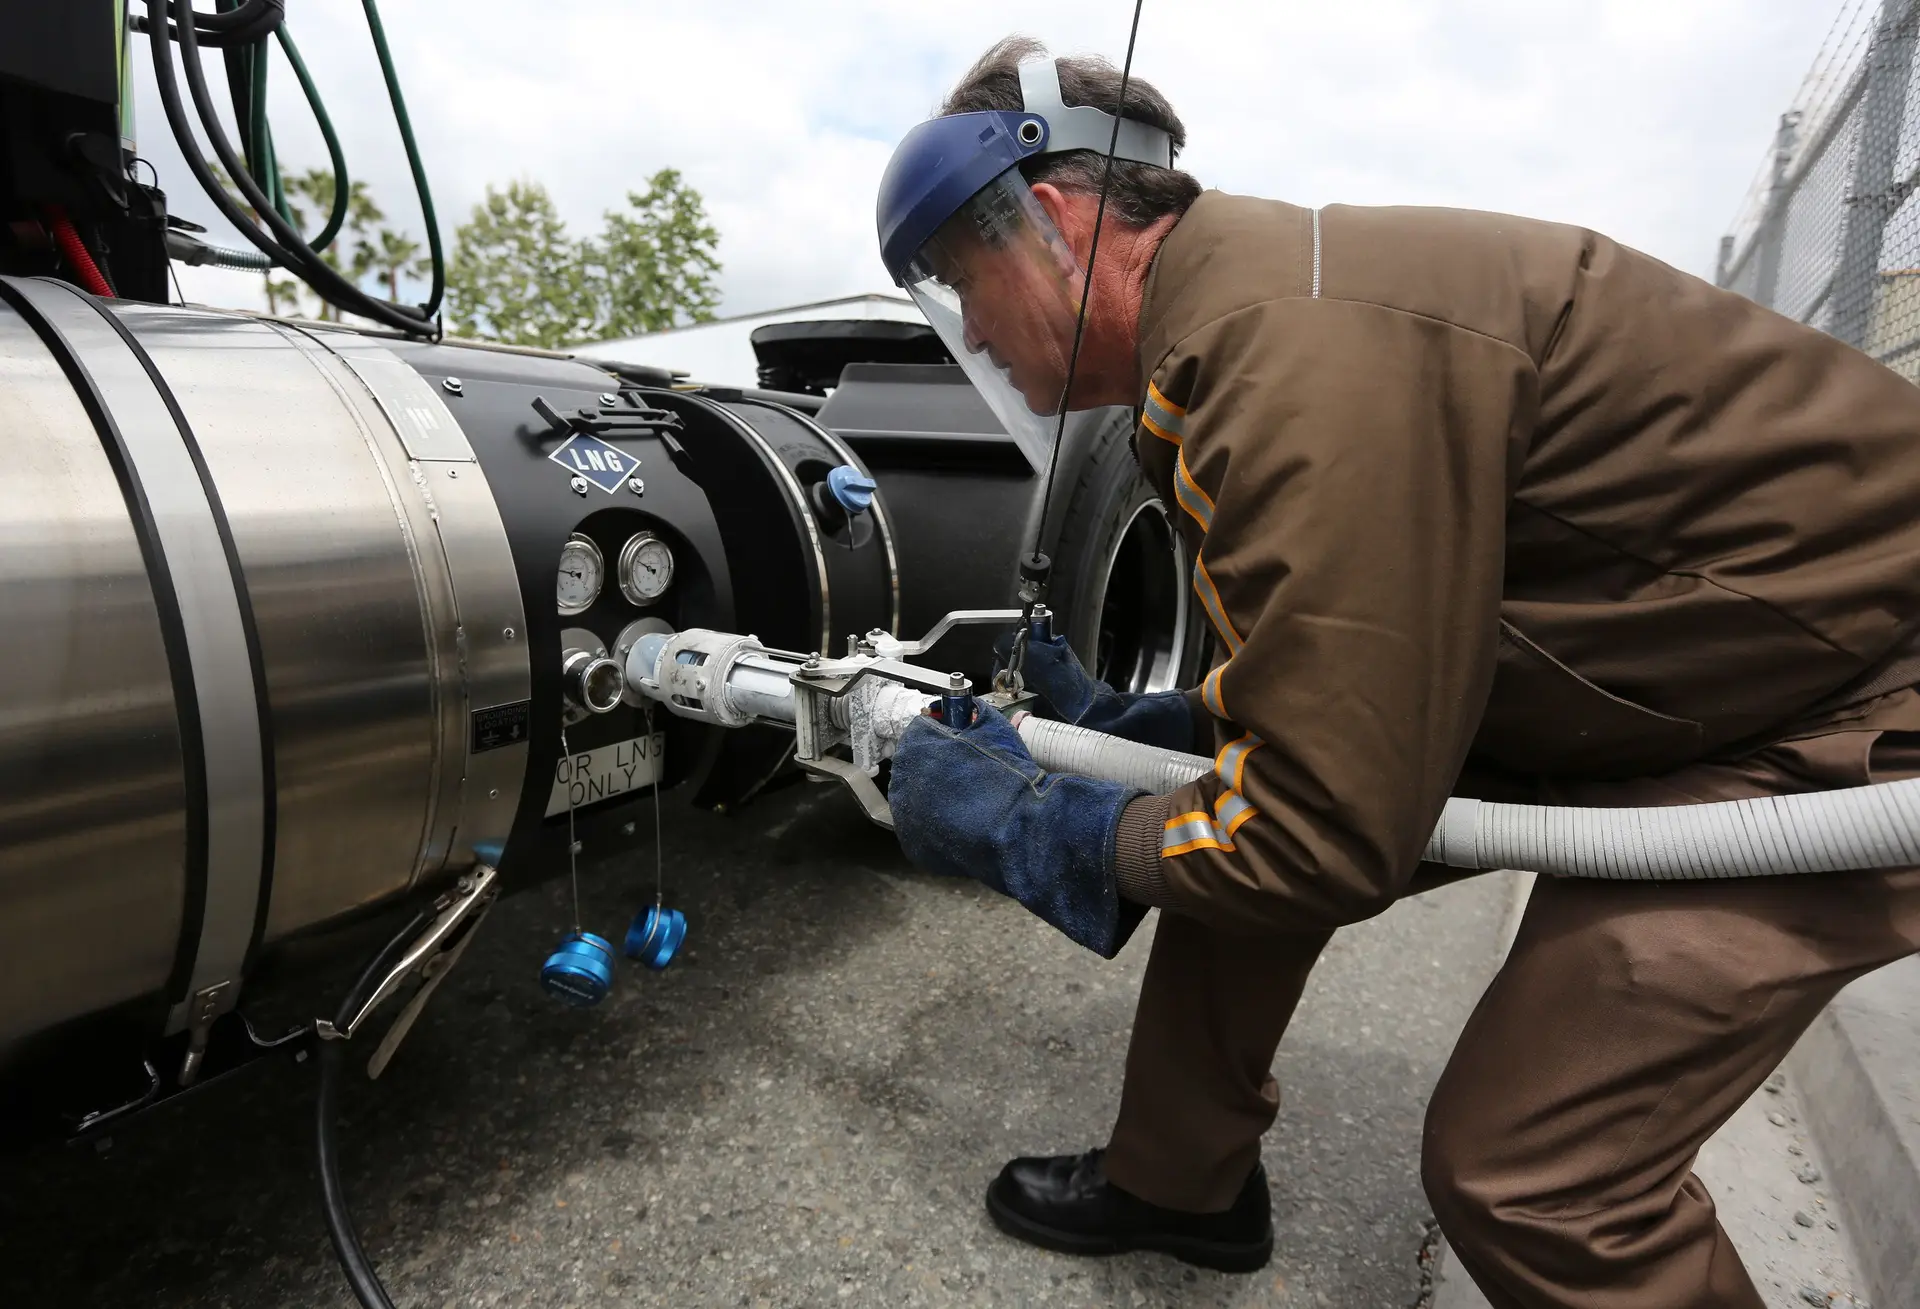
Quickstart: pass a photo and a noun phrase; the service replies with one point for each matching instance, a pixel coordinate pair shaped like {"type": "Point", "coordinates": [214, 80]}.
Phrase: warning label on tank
{"type": "Point", "coordinates": [595, 460]}
{"type": "Point", "coordinates": [587, 776]}
{"type": "Point", "coordinates": [500, 726]}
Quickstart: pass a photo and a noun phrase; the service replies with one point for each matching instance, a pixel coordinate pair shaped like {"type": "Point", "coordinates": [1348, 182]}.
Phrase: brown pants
{"type": "Point", "coordinates": [1628, 1023]}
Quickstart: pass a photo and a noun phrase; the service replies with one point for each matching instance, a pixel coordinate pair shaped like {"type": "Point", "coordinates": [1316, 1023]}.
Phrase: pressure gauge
{"type": "Point", "coordinates": [646, 568]}
{"type": "Point", "coordinates": [582, 571]}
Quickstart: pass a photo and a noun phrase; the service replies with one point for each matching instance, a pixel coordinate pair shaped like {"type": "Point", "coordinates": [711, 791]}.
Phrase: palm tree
{"type": "Point", "coordinates": [393, 255]}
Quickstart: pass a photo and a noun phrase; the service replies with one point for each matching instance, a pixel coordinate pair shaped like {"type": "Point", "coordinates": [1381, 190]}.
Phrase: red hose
{"type": "Point", "coordinates": [74, 250]}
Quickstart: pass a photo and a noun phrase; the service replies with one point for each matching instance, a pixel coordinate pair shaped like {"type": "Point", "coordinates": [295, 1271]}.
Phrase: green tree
{"type": "Point", "coordinates": [516, 276]}
{"type": "Point", "coordinates": [654, 266]}
{"type": "Point", "coordinates": [364, 247]}
{"type": "Point", "coordinates": [353, 252]}
{"type": "Point", "coordinates": [393, 255]}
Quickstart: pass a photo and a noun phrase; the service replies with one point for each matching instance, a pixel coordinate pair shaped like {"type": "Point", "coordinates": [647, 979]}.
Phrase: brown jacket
{"type": "Point", "coordinates": [1472, 490]}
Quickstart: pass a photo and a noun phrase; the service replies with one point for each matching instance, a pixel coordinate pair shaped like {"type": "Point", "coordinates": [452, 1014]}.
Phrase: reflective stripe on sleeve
{"type": "Point", "coordinates": [1162, 417]}
{"type": "Point", "coordinates": [1197, 503]}
{"type": "Point", "coordinates": [1216, 612]}
{"type": "Point", "coordinates": [1200, 830]}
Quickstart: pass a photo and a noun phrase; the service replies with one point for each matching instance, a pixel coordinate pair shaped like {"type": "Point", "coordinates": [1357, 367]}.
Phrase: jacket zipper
{"type": "Point", "coordinates": [1316, 254]}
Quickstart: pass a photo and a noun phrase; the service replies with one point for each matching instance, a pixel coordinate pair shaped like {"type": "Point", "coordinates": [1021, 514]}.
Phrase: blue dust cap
{"type": "Point", "coordinates": [656, 935]}
{"type": "Point", "coordinates": [580, 972]}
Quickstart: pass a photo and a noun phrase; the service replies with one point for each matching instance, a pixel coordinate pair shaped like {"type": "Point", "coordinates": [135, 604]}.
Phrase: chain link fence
{"type": "Point", "coordinates": [1830, 232]}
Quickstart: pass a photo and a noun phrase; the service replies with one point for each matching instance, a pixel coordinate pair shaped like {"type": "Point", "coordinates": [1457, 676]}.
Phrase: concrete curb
{"type": "Point", "coordinates": [1859, 1069]}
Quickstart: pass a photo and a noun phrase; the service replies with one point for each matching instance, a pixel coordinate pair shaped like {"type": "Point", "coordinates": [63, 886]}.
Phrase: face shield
{"type": "Point", "coordinates": [998, 283]}
{"type": "Point", "coordinates": [961, 230]}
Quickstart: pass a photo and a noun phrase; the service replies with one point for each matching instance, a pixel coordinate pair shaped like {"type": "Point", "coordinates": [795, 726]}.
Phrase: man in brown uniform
{"type": "Point", "coordinates": [1481, 506]}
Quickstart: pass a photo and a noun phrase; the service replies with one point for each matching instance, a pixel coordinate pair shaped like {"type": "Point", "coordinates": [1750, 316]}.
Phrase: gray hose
{"type": "Point", "coordinates": [188, 249]}
{"type": "Point", "coordinates": [1064, 748]}
{"type": "Point", "coordinates": [1820, 832]}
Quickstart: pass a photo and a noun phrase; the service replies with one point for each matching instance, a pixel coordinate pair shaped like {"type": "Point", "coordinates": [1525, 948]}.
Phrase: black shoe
{"type": "Point", "coordinates": [1066, 1203]}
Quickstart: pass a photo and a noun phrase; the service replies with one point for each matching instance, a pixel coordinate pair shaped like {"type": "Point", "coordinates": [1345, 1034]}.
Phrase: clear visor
{"type": "Point", "coordinates": [998, 283]}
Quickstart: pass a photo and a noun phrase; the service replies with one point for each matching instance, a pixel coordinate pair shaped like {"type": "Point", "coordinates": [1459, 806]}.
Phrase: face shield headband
{"type": "Point", "coordinates": [962, 232]}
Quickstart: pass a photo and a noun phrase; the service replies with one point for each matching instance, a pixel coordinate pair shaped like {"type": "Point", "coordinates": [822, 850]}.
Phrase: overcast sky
{"type": "Point", "coordinates": [1645, 119]}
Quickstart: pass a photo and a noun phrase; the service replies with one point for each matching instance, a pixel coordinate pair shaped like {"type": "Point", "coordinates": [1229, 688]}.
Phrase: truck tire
{"type": "Point", "coordinates": [1122, 573]}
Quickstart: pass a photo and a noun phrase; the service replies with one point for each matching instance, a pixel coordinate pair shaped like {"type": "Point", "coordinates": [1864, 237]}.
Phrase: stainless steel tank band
{"type": "Point", "coordinates": [93, 812]}
{"type": "Point", "coordinates": [200, 581]}
{"type": "Point", "coordinates": [493, 709]}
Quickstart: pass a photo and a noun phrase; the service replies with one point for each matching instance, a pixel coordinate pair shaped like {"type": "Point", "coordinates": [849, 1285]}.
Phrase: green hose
{"type": "Point", "coordinates": [413, 160]}
{"type": "Point", "coordinates": [260, 156]}
{"type": "Point", "coordinates": [432, 306]}
{"type": "Point", "coordinates": [336, 158]}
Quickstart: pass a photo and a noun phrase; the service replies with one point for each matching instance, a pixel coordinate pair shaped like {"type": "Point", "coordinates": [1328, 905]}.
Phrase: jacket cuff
{"type": "Point", "coordinates": [1136, 852]}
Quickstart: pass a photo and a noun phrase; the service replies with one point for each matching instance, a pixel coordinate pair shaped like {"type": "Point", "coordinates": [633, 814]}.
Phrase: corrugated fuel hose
{"type": "Point", "coordinates": [1819, 832]}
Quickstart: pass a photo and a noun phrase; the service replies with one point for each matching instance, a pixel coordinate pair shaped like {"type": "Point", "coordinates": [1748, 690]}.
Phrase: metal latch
{"type": "Point", "coordinates": [432, 954]}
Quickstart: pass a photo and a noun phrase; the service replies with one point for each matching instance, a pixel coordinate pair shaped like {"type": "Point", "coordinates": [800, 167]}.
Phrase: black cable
{"type": "Point", "coordinates": [251, 22]}
{"type": "Point", "coordinates": [1086, 292]}
{"type": "Point", "coordinates": [176, 113]}
{"type": "Point", "coordinates": [317, 273]}
{"type": "Point", "coordinates": [366, 1285]}
{"type": "Point", "coordinates": [285, 247]}
{"type": "Point", "coordinates": [241, 15]}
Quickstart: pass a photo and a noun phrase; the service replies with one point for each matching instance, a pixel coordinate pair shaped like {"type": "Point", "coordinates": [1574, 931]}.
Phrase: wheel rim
{"type": "Point", "coordinates": [1143, 606]}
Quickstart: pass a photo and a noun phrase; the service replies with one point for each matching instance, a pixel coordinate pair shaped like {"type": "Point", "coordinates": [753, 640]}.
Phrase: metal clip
{"type": "Point", "coordinates": [206, 1008]}
{"type": "Point", "coordinates": [432, 973]}
{"type": "Point", "coordinates": [474, 891]}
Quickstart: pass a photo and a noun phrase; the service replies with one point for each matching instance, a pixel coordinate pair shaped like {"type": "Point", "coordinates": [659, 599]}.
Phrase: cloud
{"type": "Point", "coordinates": [1643, 118]}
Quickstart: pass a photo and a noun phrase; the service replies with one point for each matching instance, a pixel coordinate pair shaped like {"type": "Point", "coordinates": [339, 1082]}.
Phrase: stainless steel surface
{"type": "Point", "coordinates": [640, 587]}
{"type": "Point", "coordinates": [581, 560]}
{"type": "Point", "coordinates": [393, 657]}
{"type": "Point", "coordinates": [490, 668]}
{"type": "Point", "coordinates": [593, 682]}
{"type": "Point", "coordinates": [188, 533]}
{"type": "Point", "coordinates": [892, 648]}
{"type": "Point", "coordinates": [479, 664]}
{"type": "Point", "coordinates": [387, 609]}
{"type": "Point", "coordinates": [578, 641]}
{"type": "Point", "coordinates": [426, 427]}
{"type": "Point", "coordinates": [331, 570]}
{"type": "Point", "coordinates": [92, 794]}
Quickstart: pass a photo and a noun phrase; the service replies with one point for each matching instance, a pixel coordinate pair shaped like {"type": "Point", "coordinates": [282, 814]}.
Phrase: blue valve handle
{"type": "Point", "coordinates": [852, 488]}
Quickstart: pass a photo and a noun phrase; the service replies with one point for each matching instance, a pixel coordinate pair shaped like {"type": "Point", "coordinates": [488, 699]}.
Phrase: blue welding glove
{"type": "Point", "coordinates": [1071, 694]}
{"type": "Point", "coordinates": [973, 803]}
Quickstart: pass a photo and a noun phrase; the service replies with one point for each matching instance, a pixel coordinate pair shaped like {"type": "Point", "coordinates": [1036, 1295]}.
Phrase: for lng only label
{"type": "Point", "coordinates": [587, 776]}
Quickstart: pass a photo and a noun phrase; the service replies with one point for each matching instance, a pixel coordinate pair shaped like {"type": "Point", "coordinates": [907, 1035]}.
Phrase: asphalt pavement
{"type": "Point", "coordinates": [804, 1110]}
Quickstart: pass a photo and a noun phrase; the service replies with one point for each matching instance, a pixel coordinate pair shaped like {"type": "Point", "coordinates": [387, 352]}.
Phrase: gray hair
{"type": "Point", "coordinates": [1140, 194]}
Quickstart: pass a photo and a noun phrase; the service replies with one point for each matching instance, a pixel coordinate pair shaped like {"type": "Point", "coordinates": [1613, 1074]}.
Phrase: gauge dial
{"type": "Point", "coordinates": [582, 571]}
{"type": "Point", "coordinates": [646, 568]}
